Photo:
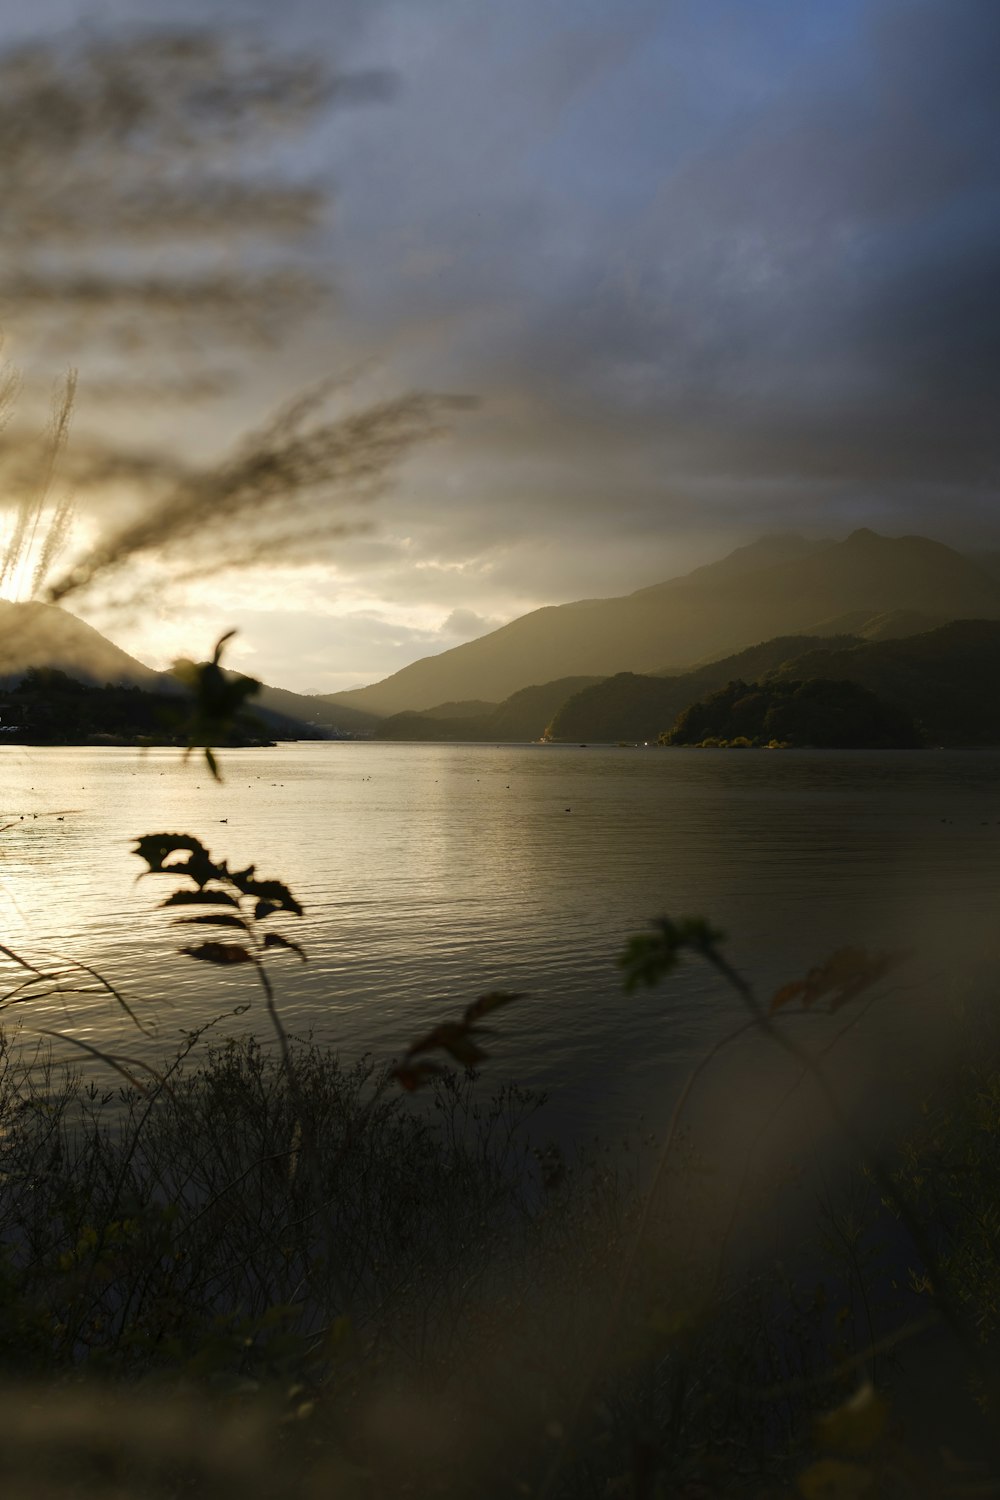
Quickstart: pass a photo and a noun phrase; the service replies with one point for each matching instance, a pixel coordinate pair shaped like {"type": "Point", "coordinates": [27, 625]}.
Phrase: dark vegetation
{"type": "Point", "coordinates": [941, 685]}
{"type": "Point", "coordinates": [47, 707]}
{"type": "Point", "coordinates": [948, 679]}
{"type": "Point", "coordinates": [520, 717]}
{"type": "Point", "coordinates": [44, 636]}
{"type": "Point", "coordinates": [820, 713]}
{"type": "Point", "coordinates": [633, 707]}
{"type": "Point", "coordinates": [376, 1296]}
{"type": "Point", "coordinates": [945, 681]}
{"type": "Point", "coordinates": [627, 707]}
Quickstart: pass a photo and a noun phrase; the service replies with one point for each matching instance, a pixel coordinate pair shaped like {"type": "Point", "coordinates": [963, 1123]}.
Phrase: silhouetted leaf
{"type": "Point", "coordinates": [649, 956]}
{"type": "Point", "coordinates": [452, 1037]}
{"type": "Point", "coordinates": [218, 700]}
{"type": "Point", "coordinates": [845, 975]}
{"type": "Point", "coordinates": [154, 848]}
{"type": "Point", "coordinates": [336, 1337]}
{"type": "Point", "coordinates": [216, 919]}
{"type": "Point", "coordinates": [219, 953]}
{"type": "Point", "coordinates": [217, 653]}
{"type": "Point", "coordinates": [277, 895]}
{"type": "Point", "coordinates": [200, 898]}
{"type": "Point", "coordinates": [275, 940]}
{"type": "Point", "coordinates": [203, 897]}
{"type": "Point", "coordinates": [200, 868]}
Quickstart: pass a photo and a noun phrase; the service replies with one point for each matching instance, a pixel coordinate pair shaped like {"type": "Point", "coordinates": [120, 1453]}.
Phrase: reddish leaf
{"type": "Point", "coordinates": [412, 1076]}
{"type": "Point", "coordinates": [787, 994]}
{"type": "Point", "coordinates": [845, 975]}
{"type": "Point", "coordinates": [487, 1003]}
{"type": "Point", "coordinates": [452, 1037]}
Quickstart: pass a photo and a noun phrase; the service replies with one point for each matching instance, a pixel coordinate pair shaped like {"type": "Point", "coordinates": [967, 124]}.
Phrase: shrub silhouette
{"type": "Point", "coordinates": [819, 712]}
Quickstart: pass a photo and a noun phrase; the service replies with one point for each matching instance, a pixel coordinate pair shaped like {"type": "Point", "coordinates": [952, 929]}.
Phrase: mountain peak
{"type": "Point", "coordinates": [33, 634]}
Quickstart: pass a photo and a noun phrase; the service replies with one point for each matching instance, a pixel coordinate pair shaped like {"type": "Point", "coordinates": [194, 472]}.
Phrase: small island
{"type": "Point", "coordinates": [779, 714]}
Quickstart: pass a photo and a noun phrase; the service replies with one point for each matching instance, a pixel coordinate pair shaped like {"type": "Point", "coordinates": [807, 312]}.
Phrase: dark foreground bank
{"type": "Point", "coordinates": [236, 1279]}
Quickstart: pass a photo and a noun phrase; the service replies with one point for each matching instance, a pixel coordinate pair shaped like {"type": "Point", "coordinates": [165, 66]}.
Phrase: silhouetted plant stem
{"type": "Point", "coordinates": [278, 1026]}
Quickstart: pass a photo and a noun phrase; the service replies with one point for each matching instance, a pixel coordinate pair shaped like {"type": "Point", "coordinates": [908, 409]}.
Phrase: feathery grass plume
{"type": "Point", "coordinates": [10, 384]}
{"type": "Point", "coordinates": [179, 137]}
{"type": "Point", "coordinates": [156, 136]}
{"type": "Point", "coordinates": [30, 509]}
{"type": "Point", "coordinates": [58, 528]}
{"type": "Point", "coordinates": [271, 499]}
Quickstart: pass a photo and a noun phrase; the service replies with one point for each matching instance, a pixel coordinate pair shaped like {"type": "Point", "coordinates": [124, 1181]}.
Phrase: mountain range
{"type": "Point", "coordinates": [946, 680]}
{"type": "Point", "coordinates": [776, 587]}
{"type": "Point", "coordinates": [623, 668]}
{"type": "Point", "coordinates": [43, 635]}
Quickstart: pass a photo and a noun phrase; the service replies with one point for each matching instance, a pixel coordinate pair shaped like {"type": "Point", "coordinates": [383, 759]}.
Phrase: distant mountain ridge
{"type": "Point", "coordinates": [42, 635]}
{"type": "Point", "coordinates": [523, 716]}
{"type": "Point", "coordinates": [946, 680]}
{"type": "Point", "coordinates": [632, 706]}
{"type": "Point", "coordinates": [45, 636]}
{"type": "Point", "coordinates": [777, 587]}
{"type": "Point", "coordinates": [777, 599]}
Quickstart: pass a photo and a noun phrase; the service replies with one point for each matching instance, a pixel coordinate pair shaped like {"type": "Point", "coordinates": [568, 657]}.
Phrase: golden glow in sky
{"type": "Point", "coordinates": [32, 556]}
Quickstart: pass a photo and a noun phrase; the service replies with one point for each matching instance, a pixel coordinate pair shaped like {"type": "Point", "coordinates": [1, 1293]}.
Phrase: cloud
{"type": "Point", "coordinates": [712, 291]}
{"type": "Point", "coordinates": [712, 270]}
{"type": "Point", "coordinates": [465, 624]}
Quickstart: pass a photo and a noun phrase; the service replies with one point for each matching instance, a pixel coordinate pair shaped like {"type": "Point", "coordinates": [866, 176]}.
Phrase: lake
{"type": "Point", "coordinates": [431, 873]}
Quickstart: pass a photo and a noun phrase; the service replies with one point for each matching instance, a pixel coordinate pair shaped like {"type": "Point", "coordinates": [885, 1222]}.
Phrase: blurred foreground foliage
{"type": "Point", "coordinates": [270, 1272]}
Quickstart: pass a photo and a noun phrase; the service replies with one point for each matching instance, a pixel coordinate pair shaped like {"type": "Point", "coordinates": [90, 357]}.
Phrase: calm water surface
{"type": "Point", "coordinates": [430, 873]}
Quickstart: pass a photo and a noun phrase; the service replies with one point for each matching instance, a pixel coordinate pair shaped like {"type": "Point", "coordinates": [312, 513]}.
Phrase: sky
{"type": "Point", "coordinates": [710, 270]}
